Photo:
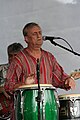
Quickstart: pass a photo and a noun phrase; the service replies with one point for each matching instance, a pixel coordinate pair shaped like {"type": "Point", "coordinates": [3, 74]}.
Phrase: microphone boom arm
{"type": "Point", "coordinates": [56, 44]}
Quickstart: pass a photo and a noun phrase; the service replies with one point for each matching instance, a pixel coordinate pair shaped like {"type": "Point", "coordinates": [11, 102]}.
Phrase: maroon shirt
{"type": "Point", "coordinates": [24, 64]}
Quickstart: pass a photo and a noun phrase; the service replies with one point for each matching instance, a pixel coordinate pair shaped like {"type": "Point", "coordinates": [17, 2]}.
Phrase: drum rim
{"type": "Point", "coordinates": [64, 96]}
{"type": "Point", "coordinates": [31, 86]}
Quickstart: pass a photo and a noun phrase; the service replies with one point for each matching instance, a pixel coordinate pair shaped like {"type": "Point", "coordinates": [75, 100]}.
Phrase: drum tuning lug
{"type": "Point", "coordinates": [38, 99]}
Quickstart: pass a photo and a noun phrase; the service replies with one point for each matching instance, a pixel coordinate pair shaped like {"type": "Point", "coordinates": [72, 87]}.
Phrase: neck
{"type": "Point", "coordinates": [34, 52]}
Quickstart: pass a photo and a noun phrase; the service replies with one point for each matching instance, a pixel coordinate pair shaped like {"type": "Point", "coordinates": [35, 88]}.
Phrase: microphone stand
{"type": "Point", "coordinates": [75, 53]}
{"type": "Point", "coordinates": [38, 98]}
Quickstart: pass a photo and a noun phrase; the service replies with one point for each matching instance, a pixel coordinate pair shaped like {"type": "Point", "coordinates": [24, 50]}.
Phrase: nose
{"type": "Point", "coordinates": [38, 35]}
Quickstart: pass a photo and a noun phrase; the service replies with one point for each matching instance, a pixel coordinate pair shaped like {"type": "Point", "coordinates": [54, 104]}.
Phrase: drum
{"type": "Point", "coordinates": [69, 106]}
{"type": "Point", "coordinates": [26, 103]}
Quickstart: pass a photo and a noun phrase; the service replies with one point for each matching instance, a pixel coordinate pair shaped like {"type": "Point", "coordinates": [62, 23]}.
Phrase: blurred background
{"type": "Point", "coordinates": [56, 17]}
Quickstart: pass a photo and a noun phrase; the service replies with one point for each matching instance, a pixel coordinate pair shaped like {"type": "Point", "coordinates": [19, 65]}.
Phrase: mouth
{"type": "Point", "coordinates": [39, 42]}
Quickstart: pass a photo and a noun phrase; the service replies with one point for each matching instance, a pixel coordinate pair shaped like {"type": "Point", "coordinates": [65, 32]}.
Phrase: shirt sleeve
{"type": "Point", "coordinates": [59, 76]}
{"type": "Point", "coordinates": [13, 75]}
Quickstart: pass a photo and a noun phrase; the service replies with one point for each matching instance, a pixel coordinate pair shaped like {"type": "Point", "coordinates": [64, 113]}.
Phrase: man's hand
{"type": "Point", "coordinates": [70, 82]}
{"type": "Point", "coordinates": [30, 79]}
{"type": "Point", "coordinates": [2, 90]}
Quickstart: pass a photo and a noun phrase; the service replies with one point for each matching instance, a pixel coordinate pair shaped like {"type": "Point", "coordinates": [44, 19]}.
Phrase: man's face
{"type": "Point", "coordinates": [11, 56]}
{"type": "Point", "coordinates": [34, 37]}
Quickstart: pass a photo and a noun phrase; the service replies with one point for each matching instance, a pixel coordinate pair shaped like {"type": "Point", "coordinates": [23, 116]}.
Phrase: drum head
{"type": "Point", "coordinates": [68, 96]}
{"type": "Point", "coordinates": [35, 86]}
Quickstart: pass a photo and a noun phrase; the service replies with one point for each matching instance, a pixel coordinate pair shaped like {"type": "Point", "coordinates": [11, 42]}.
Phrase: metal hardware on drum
{"type": "Point", "coordinates": [18, 104]}
{"type": "Point", "coordinates": [57, 99]}
{"type": "Point", "coordinates": [69, 106]}
{"type": "Point", "coordinates": [43, 105]}
{"type": "Point", "coordinates": [41, 99]}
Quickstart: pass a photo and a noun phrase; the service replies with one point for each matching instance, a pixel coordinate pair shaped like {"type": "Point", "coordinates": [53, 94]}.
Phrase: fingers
{"type": "Point", "coordinates": [70, 83]}
{"type": "Point", "coordinates": [31, 75]}
{"type": "Point", "coordinates": [30, 79]}
{"type": "Point", "coordinates": [2, 90]}
{"type": "Point", "coordinates": [6, 95]}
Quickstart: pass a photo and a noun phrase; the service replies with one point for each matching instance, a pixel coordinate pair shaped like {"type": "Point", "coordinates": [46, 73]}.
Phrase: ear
{"type": "Point", "coordinates": [26, 39]}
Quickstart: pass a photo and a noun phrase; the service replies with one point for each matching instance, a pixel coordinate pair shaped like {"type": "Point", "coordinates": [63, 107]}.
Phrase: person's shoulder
{"type": "Point", "coordinates": [47, 52]}
{"type": "Point", "coordinates": [20, 55]}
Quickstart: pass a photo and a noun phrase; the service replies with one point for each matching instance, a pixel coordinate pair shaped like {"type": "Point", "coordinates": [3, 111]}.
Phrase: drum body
{"type": "Point", "coordinates": [26, 104]}
{"type": "Point", "coordinates": [69, 106]}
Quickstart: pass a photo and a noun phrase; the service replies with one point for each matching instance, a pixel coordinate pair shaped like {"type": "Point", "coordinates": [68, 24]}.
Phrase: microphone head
{"type": "Point", "coordinates": [50, 38]}
{"type": "Point", "coordinates": [44, 38]}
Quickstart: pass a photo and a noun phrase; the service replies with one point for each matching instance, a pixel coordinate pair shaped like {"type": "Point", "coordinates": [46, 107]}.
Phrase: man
{"type": "Point", "coordinates": [22, 70]}
{"type": "Point", "coordinates": [12, 50]}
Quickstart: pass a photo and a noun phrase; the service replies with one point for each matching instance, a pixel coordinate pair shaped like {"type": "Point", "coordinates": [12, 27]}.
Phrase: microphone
{"type": "Point", "coordinates": [50, 38]}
